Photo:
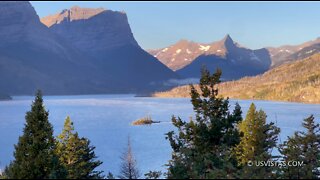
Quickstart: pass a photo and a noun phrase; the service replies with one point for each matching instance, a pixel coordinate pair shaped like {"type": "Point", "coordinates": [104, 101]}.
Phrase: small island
{"type": "Point", "coordinates": [144, 121]}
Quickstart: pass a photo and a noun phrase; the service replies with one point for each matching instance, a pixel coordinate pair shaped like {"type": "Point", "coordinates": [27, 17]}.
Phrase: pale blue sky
{"type": "Point", "coordinates": [252, 24]}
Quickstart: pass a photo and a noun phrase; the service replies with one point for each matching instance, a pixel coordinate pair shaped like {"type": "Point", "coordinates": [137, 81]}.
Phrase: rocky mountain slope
{"type": "Point", "coordinates": [85, 51]}
{"type": "Point", "coordinates": [185, 52]}
{"type": "Point", "coordinates": [298, 81]}
{"type": "Point", "coordinates": [288, 53]}
{"type": "Point", "coordinates": [106, 37]}
{"type": "Point", "coordinates": [31, 57]}
{"type": "Point", "coordinates": [236, 61]}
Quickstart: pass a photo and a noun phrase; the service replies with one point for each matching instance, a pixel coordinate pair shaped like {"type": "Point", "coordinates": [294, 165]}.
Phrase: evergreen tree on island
{"type": "Point", "coordinates": [34, 156]}
{"type": "Point", "coordinates": [202, 147]}
{"type": "Point", "coordinates": [76, 154]}
{"type": "Point", "coordinates": [258, 140]}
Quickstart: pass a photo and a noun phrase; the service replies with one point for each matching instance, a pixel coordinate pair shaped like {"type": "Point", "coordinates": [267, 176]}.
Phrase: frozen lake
{"type": "Point", "coordinates": [106, 121]}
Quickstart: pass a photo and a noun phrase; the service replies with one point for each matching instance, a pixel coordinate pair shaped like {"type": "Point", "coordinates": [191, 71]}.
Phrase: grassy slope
{"type": "Point", "coordinates": [297, 82]}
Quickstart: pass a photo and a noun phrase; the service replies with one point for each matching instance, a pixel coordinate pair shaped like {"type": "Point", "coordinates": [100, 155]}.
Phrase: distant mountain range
{"type": "Point", "coordinates": [93, 51]}
{"type": "Point", "coordinates": [187, 58]}
{"type": "Point", "coordinates": [298, 81]}
{"type": "Point", "coordinates": [77, 51]}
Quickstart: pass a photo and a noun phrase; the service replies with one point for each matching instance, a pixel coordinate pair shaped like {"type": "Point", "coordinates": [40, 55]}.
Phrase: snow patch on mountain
{"type": "Point", "coordinates": [165, 49]}
{"type": "Point", "coordinates": [204, 48]}
{"type": "Point", "coordinates": [311, 51]}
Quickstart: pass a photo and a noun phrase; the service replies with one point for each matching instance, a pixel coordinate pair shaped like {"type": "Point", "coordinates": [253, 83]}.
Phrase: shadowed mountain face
{"type": "Point", "coordinates": [84, 61]}
{"type": "Point", "coordinates": [106, 37]}
{"type": "Point", "coordinates": [33, 58]}
{"type": "Point", "coordinates": [234, 60]}
{"type": "Point", "coordinates": [92, 30]}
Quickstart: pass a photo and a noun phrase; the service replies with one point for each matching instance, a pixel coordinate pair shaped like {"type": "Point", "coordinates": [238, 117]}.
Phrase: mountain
{"type": "Point", "coordinates": [180, 54]}
{"type": "Point", "coordinates": [87, 51]}
{"type": "Point", "coordinates": [234, 60]}
{"type": "Point", "coordinates": [105, 36]}
{"type": "Point", "coordinates": [185, 52]}
{"type": "Point", "coordinates": [92, 30]}
{"type": "Point", "coordinates": [298, 81]}
{"type": "Point", "coordinates": [31, 57]}
{"type": "Point", "coordinates": [288, 53]}
{"type": "Point", "coordinates": [305, 52]}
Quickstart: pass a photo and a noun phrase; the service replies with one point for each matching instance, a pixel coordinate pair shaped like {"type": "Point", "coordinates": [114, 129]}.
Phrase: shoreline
{"type": "Point", "coordinates": [152, 96]}
{"type": "Point", "coordinates": [268, 100]}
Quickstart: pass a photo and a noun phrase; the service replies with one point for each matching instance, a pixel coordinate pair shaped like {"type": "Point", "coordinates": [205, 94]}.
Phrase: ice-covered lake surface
{"type": "Point", "coordinates": [106, 121]}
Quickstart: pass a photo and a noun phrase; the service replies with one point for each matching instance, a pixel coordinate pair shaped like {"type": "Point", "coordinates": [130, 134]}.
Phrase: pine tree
{"type": "Point", "coordinates": [129, 169]}
{"type": "Point", "coordinates": [303, 147]}
{"type": "Point", "coordinates": [257, 143]}
{"type": "Point", "coordinates": [76, 154]}
{"type": "Point", "coordinates": [202, 147]}
{"type": "Point", "coordinates": [34, 154]}
{"type": "Point", "coordinates": [153, 175]}
{"type": "Point", "coordinates": [110, 176]}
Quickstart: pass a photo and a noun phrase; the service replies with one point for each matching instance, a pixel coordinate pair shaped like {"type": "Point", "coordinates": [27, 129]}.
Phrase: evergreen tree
{"type": "Point", "coordinates": [257, 142]}
{"type": "Point", "coordinates": [76, 154]}
{"type": "Point", "coordinates": [34, 154]}
{"type": "Point", "coordinates": [153, 175]}
{"type": "Point", "coordinates": [110, 176]}
{"type": "Point", "coordinates": [129, 169]}
{"type": "Point", "coordinates": [202, 147]}
{"type": "Point", "coordinates": [303, 147]}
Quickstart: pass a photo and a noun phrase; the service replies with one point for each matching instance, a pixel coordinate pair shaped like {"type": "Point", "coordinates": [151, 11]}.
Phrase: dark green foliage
{"type": "Point", "coordinates": [34, 154]}
{"type": "Point", "coordinates": [153, 175]}
{"type": "Point", "coordinates": [76, 154]}
{"type": "Point", "coordinates": [303, 147]}
{"type": "Point", "coordinates": [257, 142]}
{"type": "Point", "coordinates": [202, 147]}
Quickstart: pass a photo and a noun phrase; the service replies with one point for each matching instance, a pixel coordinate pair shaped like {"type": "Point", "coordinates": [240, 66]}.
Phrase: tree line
{"type": "Point", "coordinates": [217, 143]}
